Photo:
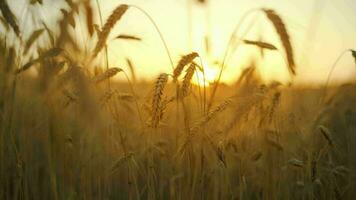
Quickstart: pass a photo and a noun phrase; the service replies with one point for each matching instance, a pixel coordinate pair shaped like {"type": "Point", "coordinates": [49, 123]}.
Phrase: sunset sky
{"type": "Point", "coordinates": [320, 30]}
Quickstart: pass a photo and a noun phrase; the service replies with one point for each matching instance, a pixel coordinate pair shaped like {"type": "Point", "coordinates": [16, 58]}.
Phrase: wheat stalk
{"type": "Point", "coordinates": [107, 96]}
{"type": "Point", "coordinates": [212, 114]}
{"type": "Point", "coordinates": [157, 110]}
{"type": "Point", "coordinates": [125, 158]}
{"type": "Point", "coordinates": [187, 80]}
{"type": "Point", "coordinates": [185, 60]}
{"type": "Point", "coordinates": [89, 17]}
{"type": "Point", "coordinates": [34, 36]}
{"type": "Point", "coordinates": [284, 36]}
{"type": "Point", "coordinates": [107, 74]}
{"type": "Point", "coordinates": [275, 102]}
{"type": "Point", "coordinates": [48, 54]}
{"type": "Point", "coordinates": [327, 134]}
{"type": "Point", "coordinates": [201, 122]}
{"type": "Point", "coordinates": [132, 70]}
{"type": "Point", "coordinates": [110, 23]}
{"type": "Point", "coordinates": [272, 141]}
{"type": "Point", "coordinates": [9, 17]}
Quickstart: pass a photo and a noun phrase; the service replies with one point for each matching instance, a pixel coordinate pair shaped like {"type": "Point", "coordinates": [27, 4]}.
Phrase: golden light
{"type": "Point", "coordinates": [206, 78]}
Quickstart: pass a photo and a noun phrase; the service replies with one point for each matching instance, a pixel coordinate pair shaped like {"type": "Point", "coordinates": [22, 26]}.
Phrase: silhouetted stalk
{"type": "Point", "coordinates": [330, 73]}
{"type": "Point", "coordinates": [215, 86]}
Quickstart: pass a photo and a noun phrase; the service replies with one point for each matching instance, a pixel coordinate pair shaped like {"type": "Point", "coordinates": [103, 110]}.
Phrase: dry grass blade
{"type": "Point", "coordinates": [262, 45]}
{"type": "Point", "coordinates": [49, 32]}
{"type": "Point", "coordinates": [157, 105]}
{"type": "Point", "coordinates": [9, 17]}
{"type": "Point", "coordinates": [107, 74]}
{"type": "Point", "coordinates": [132, 69]}
{"type": "Point", "coordinates": [327, 134]}
{"type": "Point", "coordinates": [284, 36]}
{"type": "Point", "coordinates": [110, 23]}
{"type": "Point", "coordinates": [185, 60]}
{"type": "Point", "coordinates": [48, 54]}
{"type": "Point", "coordinates": [128, 37]}
{"type": "Point", "coordinates": [34, 36]}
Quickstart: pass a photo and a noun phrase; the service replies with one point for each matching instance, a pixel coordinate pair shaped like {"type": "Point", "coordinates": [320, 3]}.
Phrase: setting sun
{"type": "Point", "coordinates": [207, 77]}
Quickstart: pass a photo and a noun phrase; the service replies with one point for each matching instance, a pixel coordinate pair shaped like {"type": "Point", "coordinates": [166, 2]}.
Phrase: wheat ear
{"type": "Point", "coordinates": [157, 99]}
{"type": "Point", "coordinates": [9, 17]}
{"type": "Point", "coordinates": [283, 35]}
{"type": "Point", "coordinates": [110, 23]}
{"type": "Point", "coordinates": [187, 80]}
{"type": "Point", "coordinates": [107, 74]}
{"type": "Point", "coordinates": [185, 60]}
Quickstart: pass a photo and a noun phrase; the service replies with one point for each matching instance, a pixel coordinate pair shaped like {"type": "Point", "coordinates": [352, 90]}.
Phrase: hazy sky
{"type": "Point", "coordinates": [332, 31]}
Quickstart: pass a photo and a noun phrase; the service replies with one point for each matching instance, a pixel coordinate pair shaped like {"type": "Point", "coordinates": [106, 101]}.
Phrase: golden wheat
{"type": "Point", "coordinates": [34, 36]}
{"type": "Point", "coordinates": [48, 54]}
{"type": "Point", "coordinates": [110, 23]}
{"type": "Point", "coordinates": [185, 60]}
{"type": "Point", "coordinates": [157, 109]}
{"type": "Point", "coordinates": [107, 74]}
{"type": "Point", "coordinates": [132, 70]}
{"type": "Point", "coordinates": [187, 80]}
{"type": "Point", "coordinates": [89, 17]}
{"type": "Point", "coordinates": [9, 17]}
{"type": "Point", "coordinates": [327, 134]}
{"type": "Point", "coordinates": [284, 36]}
{"type": "Point", "coordinates": [272, 141]}
{"type": "Point", "coordinates": [212, 114]}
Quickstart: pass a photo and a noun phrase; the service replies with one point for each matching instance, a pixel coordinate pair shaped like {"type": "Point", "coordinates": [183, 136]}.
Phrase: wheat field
{"type": "Point", "coordinates": [69, 129]}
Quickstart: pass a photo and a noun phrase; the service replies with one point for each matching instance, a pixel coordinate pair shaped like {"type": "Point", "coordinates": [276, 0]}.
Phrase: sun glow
{"type": "Point", "coordinates": [207, 76]}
